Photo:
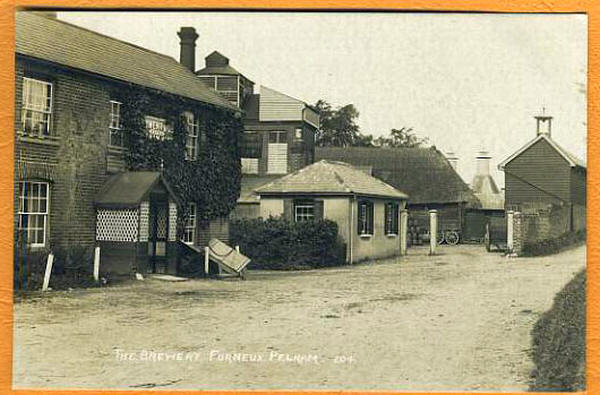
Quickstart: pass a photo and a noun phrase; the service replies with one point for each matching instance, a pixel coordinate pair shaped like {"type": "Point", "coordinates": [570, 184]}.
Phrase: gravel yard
{"type": "Point", "coordinates": [457, 321]}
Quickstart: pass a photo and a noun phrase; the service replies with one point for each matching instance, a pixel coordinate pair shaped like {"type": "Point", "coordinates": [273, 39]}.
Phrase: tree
{"type": "Point", "coordinates": [338, 126]}
{"type": "Point", "coordinates": [401, 138]}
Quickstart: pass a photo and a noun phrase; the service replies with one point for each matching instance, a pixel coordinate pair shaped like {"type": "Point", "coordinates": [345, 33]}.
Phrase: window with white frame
{"type": "Point", "coordinates": [34, 198]}
{"type": "Point", "coordinates": [116, 133]}
{"type": "Point", "coordinates": [191, 141]}
{"type": "Point", "coordinates": [365, 218]}
{"type": "Point", "coordinates": [304, 210]}
{"type": "Point", "coordinates": [189, 231]}
{"type": "Point", "coordinates": [36, 110]}
{"type": "Point", "coordinates": [391, 218]}
{"type": "Point", "coordinates": [157, 128]}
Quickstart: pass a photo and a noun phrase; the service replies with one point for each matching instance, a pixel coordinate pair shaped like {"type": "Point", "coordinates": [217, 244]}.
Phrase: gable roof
{"type": "Point", "coordinates": [129, 188]}
{"type": "Point", "coordinates": [423, 173]}
{"type": "Point", "coordinates": [330, 178]}
{"type": "Point", "coordinates": [59, 42]}
{"type": "Point", "coordinates": [569, 157]}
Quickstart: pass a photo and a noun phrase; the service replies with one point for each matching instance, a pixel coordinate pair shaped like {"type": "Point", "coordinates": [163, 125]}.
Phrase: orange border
{"type": "Point", "coordinates": [7, 9]}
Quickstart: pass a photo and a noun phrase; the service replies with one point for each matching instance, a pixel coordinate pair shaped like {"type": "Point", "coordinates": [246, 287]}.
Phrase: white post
{"type": "Point", "coordinates": [237, 248]}
{"type": "Point", "coordinates": [49, 263]}
{"type": "Point", "coordinates": [510, 243]}
{"type": "Point", "coordinates": [403, 231]}
{"type": "Point", "coordinates": [432, 231]}
{"type": "Point", "coordinates": [206, 260]}
{"type": "Point", "coordinates": [97, 264]}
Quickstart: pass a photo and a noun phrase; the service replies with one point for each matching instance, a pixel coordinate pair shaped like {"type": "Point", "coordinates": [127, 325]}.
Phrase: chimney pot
{"type": "Point", "coordinates": [187, 54]}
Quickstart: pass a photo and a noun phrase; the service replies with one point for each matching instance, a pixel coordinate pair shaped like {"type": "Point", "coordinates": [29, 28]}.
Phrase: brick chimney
{"type": "Point", "coordinates": [453, 159]}
{"type": "Point", "coordinates": [187, 54]}
{"type": "Point", "coordinates": [483, 163]}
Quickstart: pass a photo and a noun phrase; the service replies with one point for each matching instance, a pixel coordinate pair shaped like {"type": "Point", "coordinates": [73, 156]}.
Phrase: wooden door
{"type": "Point", "coordinates": [157, 242]}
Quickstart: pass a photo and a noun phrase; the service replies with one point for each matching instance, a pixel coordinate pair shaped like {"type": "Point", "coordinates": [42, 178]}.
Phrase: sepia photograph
{"type": "Point", "coordinates": [299, 200]}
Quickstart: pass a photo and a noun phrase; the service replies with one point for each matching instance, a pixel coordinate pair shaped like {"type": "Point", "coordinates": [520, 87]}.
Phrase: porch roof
{"type": "Point", "coordinates": [128, 189]}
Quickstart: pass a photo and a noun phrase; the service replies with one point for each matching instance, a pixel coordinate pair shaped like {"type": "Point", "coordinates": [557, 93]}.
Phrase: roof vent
{"type": "Point", "coordinates": [541, 121]}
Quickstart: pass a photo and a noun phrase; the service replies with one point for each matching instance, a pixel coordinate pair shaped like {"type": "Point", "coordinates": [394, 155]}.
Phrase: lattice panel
{"type": "Point", "coordinates": [116, 225]}
{"type": "Point", "coordinates": [144, 215]}
{"type": "Point", "coordinates": [172, 221]}
{"type": "Point", "coordinates": [161, 222]}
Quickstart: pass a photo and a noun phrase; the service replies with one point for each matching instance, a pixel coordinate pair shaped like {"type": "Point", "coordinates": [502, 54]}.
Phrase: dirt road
{"type": "Point", "coordinates": [457, 321]}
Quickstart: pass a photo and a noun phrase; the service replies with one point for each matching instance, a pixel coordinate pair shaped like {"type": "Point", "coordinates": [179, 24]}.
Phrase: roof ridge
{"type": "Point", "coordinates": [98, 34]}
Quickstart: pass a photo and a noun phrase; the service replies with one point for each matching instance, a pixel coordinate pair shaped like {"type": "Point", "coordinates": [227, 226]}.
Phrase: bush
{"type": "Point", "coordinates": [559, 341]}
{"type": "Point", "coordinates": [552, 246]}
{"type": "Point", "coordinates": [279, 244]}
{"type": "Point", "coordinates": [72, 267]}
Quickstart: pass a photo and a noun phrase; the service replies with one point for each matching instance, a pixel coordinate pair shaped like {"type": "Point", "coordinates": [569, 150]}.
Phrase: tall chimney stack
{"type": "Point", "coordinates": [453, 159]}
{"type": "Point", "coordinates": [483, 163]}
{"type": "Point", "coordinates": [187, 54]}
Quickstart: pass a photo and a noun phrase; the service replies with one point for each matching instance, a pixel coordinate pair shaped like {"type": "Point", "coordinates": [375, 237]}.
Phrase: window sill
{"type": "Point", "coordinates": [116, 148]}
{"type": "Point", "coordinates": [392, 235]}
{"type": "Point", "coordinates": [365, 236]}
{"type": "Point", "coordinates": [53, 141]}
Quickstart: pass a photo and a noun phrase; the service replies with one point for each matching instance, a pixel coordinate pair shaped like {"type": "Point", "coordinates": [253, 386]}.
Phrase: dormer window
{"type": "Point", "coordinates": [36, 110]}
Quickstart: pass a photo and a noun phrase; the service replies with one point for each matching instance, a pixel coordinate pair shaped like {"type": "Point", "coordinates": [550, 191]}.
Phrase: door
{"type": "Point", "coordinates": [277, 153]}
{"type": "Point", "coordinates": [157, 242]}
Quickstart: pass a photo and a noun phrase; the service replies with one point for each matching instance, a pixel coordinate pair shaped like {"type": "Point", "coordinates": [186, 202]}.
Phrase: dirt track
{"type": "Point", "coordinates": [457, 321]}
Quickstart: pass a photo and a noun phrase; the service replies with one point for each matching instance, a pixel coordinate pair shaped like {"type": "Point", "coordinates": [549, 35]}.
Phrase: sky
{"type": "Point", "coordinates": [465, 81]}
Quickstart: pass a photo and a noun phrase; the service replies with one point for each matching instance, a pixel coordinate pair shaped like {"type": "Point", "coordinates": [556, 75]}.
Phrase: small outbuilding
{"type": "Point", "coordinates": [136, 224]}
{"type": "Point", "coordinates": [366, 209]}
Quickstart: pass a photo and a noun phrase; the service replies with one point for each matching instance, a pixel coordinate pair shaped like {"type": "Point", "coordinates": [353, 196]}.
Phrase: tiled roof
{"type": "Point", "coordinates": [333, 178]}
{"type": "Point", "coordinates": [250, 183]}
{"type": "Point", "coordinates": [69, 45]}
{"type": "Point", "coordinates": [487, 192]}
{"type": "Point", "coordinates": [129, 188]}
{"type": "Point", "coordinates": [423, 173]}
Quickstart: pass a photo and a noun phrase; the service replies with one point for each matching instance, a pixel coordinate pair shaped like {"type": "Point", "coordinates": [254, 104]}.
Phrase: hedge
{"type": "Point", "coordinates": [554, 245]}
{"type": "Point", "coordinates": [279, 244]}
{"type": "Point", "coordinates": [559, 341]}
{"type": "Point", "coordinates": [72, 267]}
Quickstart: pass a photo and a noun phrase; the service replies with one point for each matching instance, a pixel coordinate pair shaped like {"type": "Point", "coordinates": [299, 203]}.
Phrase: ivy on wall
{"type": "Point", "coordinates": [212, 181]}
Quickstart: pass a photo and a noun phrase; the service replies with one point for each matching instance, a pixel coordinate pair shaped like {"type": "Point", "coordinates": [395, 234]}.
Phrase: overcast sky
{"type": "Point", "coordinates": [466, 81]}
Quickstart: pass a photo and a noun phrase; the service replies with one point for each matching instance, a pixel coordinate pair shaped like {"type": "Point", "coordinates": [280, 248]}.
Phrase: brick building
{"type": "Point", "coordinates": [279, 130]}
{"type": "Point", "coordinates": [72, 184]}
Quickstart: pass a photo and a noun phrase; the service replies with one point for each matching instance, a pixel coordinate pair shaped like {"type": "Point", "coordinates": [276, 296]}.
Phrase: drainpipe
{"type": "Point", "coordinates": [351, 238]}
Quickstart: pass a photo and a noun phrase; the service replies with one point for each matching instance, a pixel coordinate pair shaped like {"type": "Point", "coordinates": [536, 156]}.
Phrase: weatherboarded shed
{"type": "Point", "coordinates": [423, 173]}
{"type": "Point", "coordinates": [541, 173]}
{"type": "Point", "coordinates": [367, 210]}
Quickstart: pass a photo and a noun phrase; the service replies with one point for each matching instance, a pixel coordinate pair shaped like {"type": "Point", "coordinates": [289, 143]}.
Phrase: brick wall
{"type": "Point", "coordinates": [537, 223]}
{"type": "Point", "coordinates": [74, 160]}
